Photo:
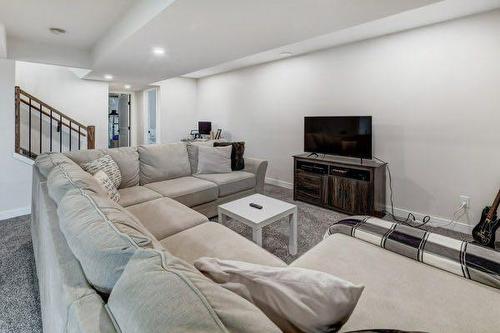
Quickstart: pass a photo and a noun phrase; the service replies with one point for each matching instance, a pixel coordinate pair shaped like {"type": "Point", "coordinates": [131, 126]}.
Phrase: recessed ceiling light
{"type": "Point", "coordinates": [158, 51]}
{"type": "Point", "coordinates": [108, 77]}
{"type": "Point", "coordinates": [127, 86]}
{"type": "Point", "coordinates": [57, 31]}
{"type": "Point", "coordinates": [286, 54]}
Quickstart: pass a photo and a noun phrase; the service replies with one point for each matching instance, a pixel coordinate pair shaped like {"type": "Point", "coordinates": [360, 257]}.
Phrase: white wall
{"type": "Point", "coordinates": [433, 94]}
{"type": "Point", "coordinates": [15, 176]}
{"type": "Point", "coordinates": [139, 117]}
{"type": "Point", "coordinates": [85, 101]}
{"type": "Point", "coordinates": [177, 108]}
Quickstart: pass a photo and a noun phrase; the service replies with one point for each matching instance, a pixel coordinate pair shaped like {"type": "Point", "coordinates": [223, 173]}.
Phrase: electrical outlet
{"type": "Point", "coordinates": [465, 201]}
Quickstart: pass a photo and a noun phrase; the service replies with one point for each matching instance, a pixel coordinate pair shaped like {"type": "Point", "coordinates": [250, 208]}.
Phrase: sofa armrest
{"type": "Point", "coordinates": [259, 168]}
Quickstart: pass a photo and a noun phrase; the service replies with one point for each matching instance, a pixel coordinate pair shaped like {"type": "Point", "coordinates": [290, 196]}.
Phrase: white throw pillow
{"type": "Point", "coordinates": [294, 298]}
{"type": "Point", "coordinates": [214, 159]}
{"type": "Point", "coordinates": [106, 183]}
{"type": "Point", "coordinates": [106, 164]}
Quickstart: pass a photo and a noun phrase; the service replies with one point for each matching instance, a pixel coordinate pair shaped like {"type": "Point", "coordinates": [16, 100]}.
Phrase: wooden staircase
{"type": "Point", "coordinates": [41, 128]}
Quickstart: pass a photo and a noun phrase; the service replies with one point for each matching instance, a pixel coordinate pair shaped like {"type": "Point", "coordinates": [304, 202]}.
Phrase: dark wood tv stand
{"type": "Point", "coordinates": [347, 185]}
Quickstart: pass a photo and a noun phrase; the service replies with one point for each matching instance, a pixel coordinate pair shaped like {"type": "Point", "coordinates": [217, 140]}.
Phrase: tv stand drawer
{"type": "Point", "coordinates": [308, 186]}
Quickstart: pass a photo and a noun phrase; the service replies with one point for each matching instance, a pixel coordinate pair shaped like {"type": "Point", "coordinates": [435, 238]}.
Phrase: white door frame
{"type": "Point", "coordinates": [133, 119]}
{"type": "Point", "coordinates": [146, 114]}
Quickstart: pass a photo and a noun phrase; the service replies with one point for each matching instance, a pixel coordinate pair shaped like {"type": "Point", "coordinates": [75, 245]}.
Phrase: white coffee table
{"type": "Point", "coordinates": [272, 211]}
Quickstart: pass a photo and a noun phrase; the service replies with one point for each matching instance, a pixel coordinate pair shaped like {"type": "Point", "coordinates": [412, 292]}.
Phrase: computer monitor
{"type": "Point", "coordinates": [204, 127]}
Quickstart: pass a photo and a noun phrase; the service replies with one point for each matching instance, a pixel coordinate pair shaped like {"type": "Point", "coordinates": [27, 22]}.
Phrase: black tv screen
{"type": "Point", "coordinates": [344, 136]}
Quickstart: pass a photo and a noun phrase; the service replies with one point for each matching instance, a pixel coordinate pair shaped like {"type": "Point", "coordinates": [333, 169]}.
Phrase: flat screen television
{"type": "Point", "coordinates": [344, 136]}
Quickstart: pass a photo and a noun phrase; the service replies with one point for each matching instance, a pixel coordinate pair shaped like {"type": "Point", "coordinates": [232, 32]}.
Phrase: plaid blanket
{"type": "Point", "coordinates": [462, 258]}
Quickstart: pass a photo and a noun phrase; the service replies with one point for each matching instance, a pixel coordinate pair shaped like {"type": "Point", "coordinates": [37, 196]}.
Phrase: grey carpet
{"type": "Point", "coordinates": [19, 302]}
{"type": "Point", "coordinates": [19, 299]}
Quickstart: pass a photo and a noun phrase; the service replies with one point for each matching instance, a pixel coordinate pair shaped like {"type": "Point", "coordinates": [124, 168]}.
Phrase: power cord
{"type": "Point", "coordinates": [410, 216]}
{"type": "Point", "coordinates": [462, 208]}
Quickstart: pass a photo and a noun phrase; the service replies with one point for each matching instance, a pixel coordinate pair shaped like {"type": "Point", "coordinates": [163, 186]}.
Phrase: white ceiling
{"type": "Point", "coordinates": [202, 37]}
{"type": "Point", "coordinates": [84, 20]}
{"type": "Point", "coordinates": [200, 34]}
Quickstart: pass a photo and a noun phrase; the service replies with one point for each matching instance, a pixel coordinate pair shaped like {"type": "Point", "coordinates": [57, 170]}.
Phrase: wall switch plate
{"type": "Point", "coordinates": [465, 201]}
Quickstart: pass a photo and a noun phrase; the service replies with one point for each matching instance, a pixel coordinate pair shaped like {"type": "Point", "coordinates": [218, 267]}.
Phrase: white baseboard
{"type": "Point", "coordinates": [278, 182]}
{"type": "Point", "coordinates": [435, 221]}
{"type": "Point", "coordinates": [8, 214]}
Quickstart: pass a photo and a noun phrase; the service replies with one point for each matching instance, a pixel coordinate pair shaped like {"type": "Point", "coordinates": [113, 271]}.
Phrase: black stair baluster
{"type": "Point", "coordinates": [60, 133]}
{"type": "Point", "coordinates": [51, 130]}
{"type": "Point", "coordinates": [41, 118]}
{"type": "Point", "coordinates": [79, 137]}
{"type": "Point", "coordinates": [70, 126]}
{"type": "Point", "coordinates": [29, 130]}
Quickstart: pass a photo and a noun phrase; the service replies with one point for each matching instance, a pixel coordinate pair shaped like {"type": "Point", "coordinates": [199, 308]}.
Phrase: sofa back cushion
{"type": "Point", "coordinates": [102, 235]}
{"type": "Point", "coordinates": [192, 148]}
{"type": "Point", "coordinates": [161, 293]}
{"type": "Point", "coordinates": [47, 161]}
{"type": "Point", "coordinates": [84, 155]}
{"type": "Point", "coordinates": [67, 176]}
{"type": "Point", "coordinates": [127, 159]}
{"type": "Point", "coordinates": [214, 159]}
{"type": "Point", "coordinates": [163, 161]}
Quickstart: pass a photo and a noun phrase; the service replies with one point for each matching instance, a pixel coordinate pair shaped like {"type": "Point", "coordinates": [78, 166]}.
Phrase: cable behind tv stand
{"type": "Point", "coordinates": [351, 186]}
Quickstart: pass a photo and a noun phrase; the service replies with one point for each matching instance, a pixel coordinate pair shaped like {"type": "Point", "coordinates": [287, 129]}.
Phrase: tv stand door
{"type": "Point", "coordinates": [351, 196]}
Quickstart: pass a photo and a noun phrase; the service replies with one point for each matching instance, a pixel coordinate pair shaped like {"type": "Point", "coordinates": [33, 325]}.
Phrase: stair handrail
{"type": "Point", "coordinates": [55, 115]}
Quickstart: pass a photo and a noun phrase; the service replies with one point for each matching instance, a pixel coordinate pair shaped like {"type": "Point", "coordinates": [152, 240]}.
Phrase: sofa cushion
{"type": "Point", "coordinates": [401, 293]}
{"type": "Point", "coordinates": [215, 240]}
{"type": "Point", "coordinates": [82, 156]}
{"type": "Point", "coordinates": [189, 191]}
{"type": "Point", "coordinates": [230, 183]}
{"type": "Point", "coordinates": [161, 293]}
{"type": "Point", "coordinates": [192, 148]}
{"type": "Point", "coordinates": [102, 235]}
{"type": "Point", "coordinates": [47, 161]}
{"type": "Point", "coordinates": [67, 176]}
{"type": "Point", "coordinates": [136, 194]}
{"type": "Point", "coordinates": [127, 159]}
{"type": "Point", "coordinates": [164, 217]}
{"type": "Point", "coordinates": [214, 159]}
{"type": "Point", "coordinates": [163, 161]}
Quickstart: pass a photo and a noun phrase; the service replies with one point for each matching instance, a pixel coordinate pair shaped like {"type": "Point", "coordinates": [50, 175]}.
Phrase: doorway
{"type": "Point", "coordinates": [119, 120]}
{"type": "Point", "coordinates": [151, 129]}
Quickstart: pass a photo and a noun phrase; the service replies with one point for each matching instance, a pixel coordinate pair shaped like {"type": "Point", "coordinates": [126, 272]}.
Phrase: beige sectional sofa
{"type": "Point", "coordinates": [162, 199]}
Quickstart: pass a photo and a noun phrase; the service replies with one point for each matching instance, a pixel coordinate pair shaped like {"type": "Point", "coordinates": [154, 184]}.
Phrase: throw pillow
{"type": "Point", "coordinates": [106, 183]}
{"type": "Point", "coordinates": [297, 298]}
{"type": "Point", "coordinates": [214, 159]}
{"type": "Point", "coordinates": [158, 292]}
{"type": "Point", "coordinates": [237, 160]}
{"type": "Point", "coordinates": [106, 164]}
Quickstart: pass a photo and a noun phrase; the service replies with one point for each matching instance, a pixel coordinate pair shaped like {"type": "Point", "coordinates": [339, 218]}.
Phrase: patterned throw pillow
{"type": "Point", "coordinates": [106, 164]}
{"type": "Point", "coordinates": [237, 160]}
{"type": "Point", "coordinates": [106, 183]}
